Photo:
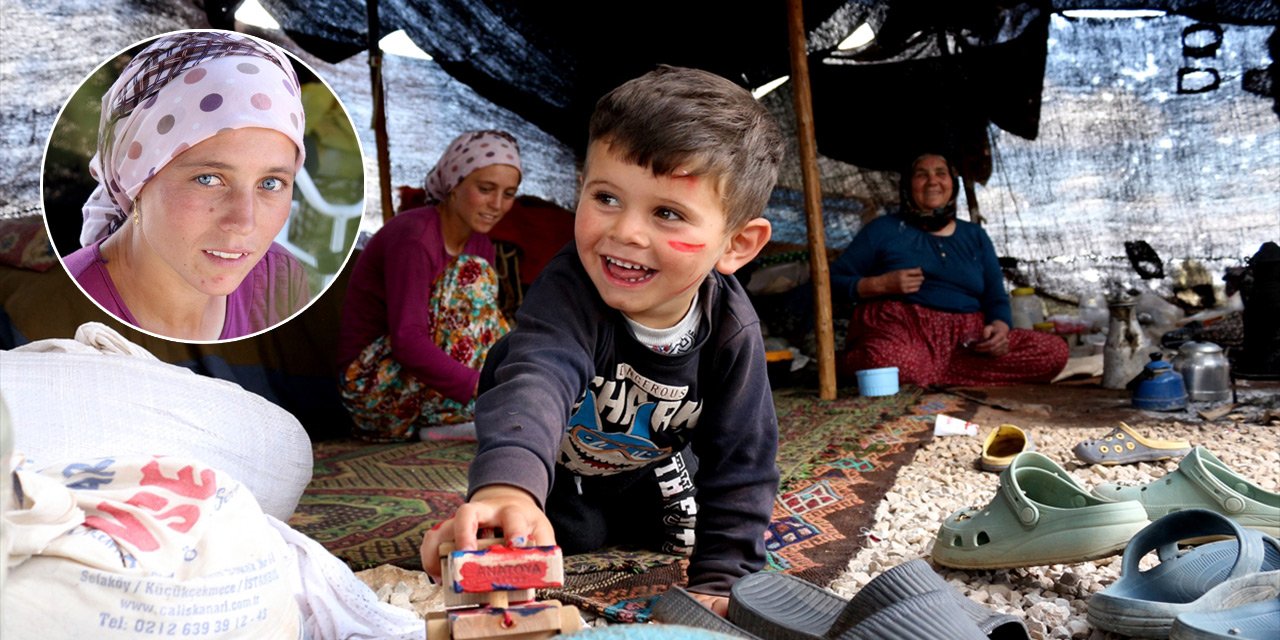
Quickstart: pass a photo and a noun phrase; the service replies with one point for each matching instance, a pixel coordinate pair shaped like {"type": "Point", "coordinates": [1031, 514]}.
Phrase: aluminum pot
{"type": "Point", "coordinates": [1205, 371]}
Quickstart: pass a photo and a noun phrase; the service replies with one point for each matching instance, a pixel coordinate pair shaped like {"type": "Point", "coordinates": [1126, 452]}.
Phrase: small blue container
{"type": "Point", "coordinates": [878, 382]}
{"type": "Point", "coordinates": [1160, 388]}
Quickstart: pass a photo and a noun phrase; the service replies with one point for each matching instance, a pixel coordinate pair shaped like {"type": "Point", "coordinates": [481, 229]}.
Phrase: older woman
{"type": "Point", "coordinates": [421, 309]}
{"type": "Point", "coordinates": [199, 142]}
{"type": "Point", "coordinates": [929, 295]}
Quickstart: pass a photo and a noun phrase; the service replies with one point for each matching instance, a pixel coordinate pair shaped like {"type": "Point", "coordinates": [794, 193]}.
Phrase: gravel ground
{"type": "Point", "coordinates": [1053, 599]}
{"type": "Point", "coordinates": [944, 477]}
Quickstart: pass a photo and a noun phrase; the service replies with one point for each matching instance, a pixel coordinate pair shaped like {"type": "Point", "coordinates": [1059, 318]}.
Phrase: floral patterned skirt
{"type": "Point", "coordinates": [389, 404]}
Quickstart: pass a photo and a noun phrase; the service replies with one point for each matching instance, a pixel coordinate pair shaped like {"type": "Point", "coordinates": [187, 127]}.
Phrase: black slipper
{"type": "Point", "coordinates": [777, 606]}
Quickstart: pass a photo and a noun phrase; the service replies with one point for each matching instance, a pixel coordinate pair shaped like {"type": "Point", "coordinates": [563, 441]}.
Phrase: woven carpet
{"type": "Point", "coordinates": [371, 504]}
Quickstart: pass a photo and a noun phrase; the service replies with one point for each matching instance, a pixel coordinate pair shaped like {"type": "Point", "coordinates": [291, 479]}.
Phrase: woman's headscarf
{"type": "Point", "coordinates": [181, 90]}
{"type": "Point", "coordinates": [933, 219]}
{"type": "Point", "coordinates": [470, 151]}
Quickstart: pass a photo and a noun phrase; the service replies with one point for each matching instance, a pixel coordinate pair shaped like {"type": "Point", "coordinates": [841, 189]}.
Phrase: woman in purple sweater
{"type": "Point", "coordinates": [422, 307]}
{"type": "Point", "coordinates": [200, 139]}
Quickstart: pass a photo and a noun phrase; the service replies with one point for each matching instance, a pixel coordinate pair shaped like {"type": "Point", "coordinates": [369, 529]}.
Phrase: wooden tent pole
{"type": "Point", "coordinates": [971, 197]}
{"type": "Point", "coordinates": [379, 113]}
{"type": "Point", "coordinates": [818, 268]}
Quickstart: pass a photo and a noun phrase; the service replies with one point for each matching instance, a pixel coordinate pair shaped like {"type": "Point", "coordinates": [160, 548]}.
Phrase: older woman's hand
{"type": "Point", "coordinates": [995, 339]}
{"type": "Point", "coordinates": [900, 282]}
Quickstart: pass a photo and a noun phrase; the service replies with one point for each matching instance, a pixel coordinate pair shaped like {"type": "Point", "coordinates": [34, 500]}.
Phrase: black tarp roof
{"type": "Point", "coordinates": [550, 61]}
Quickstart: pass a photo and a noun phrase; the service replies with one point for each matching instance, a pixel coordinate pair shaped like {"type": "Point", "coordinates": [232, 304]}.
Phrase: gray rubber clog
{"type": "Point", "coordinates": [1208, 577]}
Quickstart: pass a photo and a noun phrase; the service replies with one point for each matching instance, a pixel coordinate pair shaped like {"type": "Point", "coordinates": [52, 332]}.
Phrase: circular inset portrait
{"type": "Point", "coordinates": [203, 186]}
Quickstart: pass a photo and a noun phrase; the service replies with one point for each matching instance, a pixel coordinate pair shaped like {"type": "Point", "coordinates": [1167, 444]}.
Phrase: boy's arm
{"type": "Point", "coordinates": [737, 480]}
{"type": "Point", "coordinates": [530, 383]}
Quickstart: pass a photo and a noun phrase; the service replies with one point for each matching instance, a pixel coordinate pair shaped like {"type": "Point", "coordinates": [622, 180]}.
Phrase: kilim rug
{"type": "Point", "coordinates": [371, 504]}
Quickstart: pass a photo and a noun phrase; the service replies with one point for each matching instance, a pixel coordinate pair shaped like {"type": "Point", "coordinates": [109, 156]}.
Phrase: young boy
{"type": "Point", "coordinates": [631, 403]}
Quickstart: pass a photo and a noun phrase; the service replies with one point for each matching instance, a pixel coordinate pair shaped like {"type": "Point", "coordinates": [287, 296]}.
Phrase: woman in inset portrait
{"type": "Point", "coordinates": [199, 142]}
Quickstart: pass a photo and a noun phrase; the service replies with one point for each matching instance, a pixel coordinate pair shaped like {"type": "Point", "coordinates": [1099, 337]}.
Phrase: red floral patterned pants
{"type": "Point", "coordinates": [926, 346]}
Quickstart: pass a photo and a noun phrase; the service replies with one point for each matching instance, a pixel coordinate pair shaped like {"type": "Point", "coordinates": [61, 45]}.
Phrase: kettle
{"type": "Point", "coordinates": [1204, 370]}
{"type": "Point", "coordinates": [1123, 353]}
{"type": "Point", "coordinates": [1159, 387]}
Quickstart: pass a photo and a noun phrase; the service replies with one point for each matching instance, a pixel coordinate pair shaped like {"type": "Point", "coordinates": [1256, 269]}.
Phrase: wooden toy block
{"type": "Point", "coordinates": [455, 597]}
{"type": "Point", "coordinates": [533, 621]}
{"type": "Point", "coordinates": [505, 568]}
{"type": "Point", "coordinates": [488, 622]}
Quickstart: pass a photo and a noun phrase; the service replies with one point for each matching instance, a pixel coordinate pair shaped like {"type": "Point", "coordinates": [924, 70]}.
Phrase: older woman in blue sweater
{"type": "Point", "coordinates": [929, 295]}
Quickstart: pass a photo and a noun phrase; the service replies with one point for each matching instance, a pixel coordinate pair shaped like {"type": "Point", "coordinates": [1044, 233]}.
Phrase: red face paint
{"type": "Point", "coordinates": [685, 247]}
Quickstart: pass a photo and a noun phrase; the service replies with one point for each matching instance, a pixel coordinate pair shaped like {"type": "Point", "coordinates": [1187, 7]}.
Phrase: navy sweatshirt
{"type": "Point", "coordinates": [574, 392]}
{"type": "Point", "coordinates": [961, 271]}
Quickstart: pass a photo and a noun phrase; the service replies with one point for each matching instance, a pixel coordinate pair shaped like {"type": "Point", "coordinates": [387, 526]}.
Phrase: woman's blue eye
{"type": "Point", "coordinates": [207, 179]}
{"type": "Point", "coordinates": [272, 184]}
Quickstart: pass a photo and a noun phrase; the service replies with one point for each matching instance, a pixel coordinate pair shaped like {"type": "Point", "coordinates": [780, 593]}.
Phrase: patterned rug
{"type": "Point", "coordinates": [371, 504]}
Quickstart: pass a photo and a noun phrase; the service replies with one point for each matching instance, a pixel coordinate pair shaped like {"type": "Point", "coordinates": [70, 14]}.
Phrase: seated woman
{"type": "Point", "coordinates": [422, 304]}
{"type": "Point", "coordinates": [929, 295]}
{"type": "Point", "coordinates": [200, 139]}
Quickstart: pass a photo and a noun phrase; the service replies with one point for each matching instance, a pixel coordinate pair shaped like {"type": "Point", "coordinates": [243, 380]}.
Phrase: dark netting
{"type": "Point", "coordinates": [1120, 154]}
{"type": "Point", "coordinates": [1132, 146]}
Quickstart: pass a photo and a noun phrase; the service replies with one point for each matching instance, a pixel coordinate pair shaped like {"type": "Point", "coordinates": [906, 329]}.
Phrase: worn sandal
{"type": "Point", "coordinates": [1213, 576]}
{"type": "Point", "coordinates": [1040, 515]}
{"type": "Point", "coordinates": [1253, 621]}
{"type": "Point", "coordinates": [678, 607]}
{"type": "Point", "coordinates": [778, 606]}
{"type": "Point", "coordinates": [1124, 445]}
{"type": "Point", "coordinates": [1002, 444]}
{"type": "Point", "coordinates": [1202, 481]}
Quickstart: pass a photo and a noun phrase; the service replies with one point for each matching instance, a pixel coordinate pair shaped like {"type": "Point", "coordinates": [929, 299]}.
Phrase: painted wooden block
{"type": "Point", "coordinates": [539, 619]}
{"type": "Point", "coordinates": [506, 568]}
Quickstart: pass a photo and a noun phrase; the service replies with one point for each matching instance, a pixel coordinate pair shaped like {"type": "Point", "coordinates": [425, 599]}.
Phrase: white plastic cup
{"type": "Point", "coordinates": [878, 382]}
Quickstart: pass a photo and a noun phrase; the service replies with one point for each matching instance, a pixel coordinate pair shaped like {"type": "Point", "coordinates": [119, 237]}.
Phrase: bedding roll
{"type": "Point", "coordinates": [68, 403]}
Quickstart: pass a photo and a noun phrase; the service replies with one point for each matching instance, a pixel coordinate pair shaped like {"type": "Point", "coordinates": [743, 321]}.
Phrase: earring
{"type": "Point", "coordinates": [137, 212]}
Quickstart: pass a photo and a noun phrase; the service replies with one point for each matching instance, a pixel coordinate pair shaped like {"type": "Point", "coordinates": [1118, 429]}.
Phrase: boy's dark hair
{"type": "Point", "coordinates": [675, 117]}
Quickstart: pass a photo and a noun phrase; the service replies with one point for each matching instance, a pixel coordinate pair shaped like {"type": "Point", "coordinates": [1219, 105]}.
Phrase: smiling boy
{"type": "Point", "coordinates": [631, 404]}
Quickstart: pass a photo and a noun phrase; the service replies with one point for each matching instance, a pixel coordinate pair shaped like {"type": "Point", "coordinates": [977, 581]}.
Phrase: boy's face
{"type": "Point", "coordinates": [647, 242]}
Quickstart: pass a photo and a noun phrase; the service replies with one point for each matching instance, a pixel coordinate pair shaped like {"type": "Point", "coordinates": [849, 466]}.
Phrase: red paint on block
{"type": "Point", "coordinates": [685, 247]}
{"type": "Point", "coordinates": [476, 577]}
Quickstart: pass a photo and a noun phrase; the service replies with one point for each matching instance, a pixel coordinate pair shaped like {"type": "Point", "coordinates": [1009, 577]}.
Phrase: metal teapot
{"type": "Point", "coordinates": [1205, 371]}
{"type": "Point", "coordinates": [1159, 387]}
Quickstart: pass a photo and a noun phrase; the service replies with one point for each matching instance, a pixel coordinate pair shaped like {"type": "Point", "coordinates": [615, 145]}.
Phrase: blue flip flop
{"type": "Point", "coordinates": [1253, 621]}
{"type": "Point", "coordinates": [1209, 577]}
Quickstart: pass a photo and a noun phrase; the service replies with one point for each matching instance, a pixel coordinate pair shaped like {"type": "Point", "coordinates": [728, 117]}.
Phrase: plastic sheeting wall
{"type": "Point", "coordinates": [1121, 155]}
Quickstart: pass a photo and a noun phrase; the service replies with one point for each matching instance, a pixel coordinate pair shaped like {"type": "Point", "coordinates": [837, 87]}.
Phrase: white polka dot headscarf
{"type": "Point", "coordinates": [182, 90]}
{"type": "Point", "coordinates": [470, 151]}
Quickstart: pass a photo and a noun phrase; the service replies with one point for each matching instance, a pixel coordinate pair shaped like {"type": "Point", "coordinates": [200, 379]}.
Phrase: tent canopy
{"type": "Point", "coordinates": [529, 58]}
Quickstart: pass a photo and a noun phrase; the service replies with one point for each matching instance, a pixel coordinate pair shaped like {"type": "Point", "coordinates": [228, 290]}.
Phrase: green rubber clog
{"type": "Point", "coordinates": [1202, 481]}
{"type": "Point", "coordinates": [1040, 515]}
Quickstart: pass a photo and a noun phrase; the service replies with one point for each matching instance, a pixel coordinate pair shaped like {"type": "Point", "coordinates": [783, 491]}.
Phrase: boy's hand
{"type": "Point", "coordinates": [718, 604]}
{"type": "Point", "coordinates": [510, 508]}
